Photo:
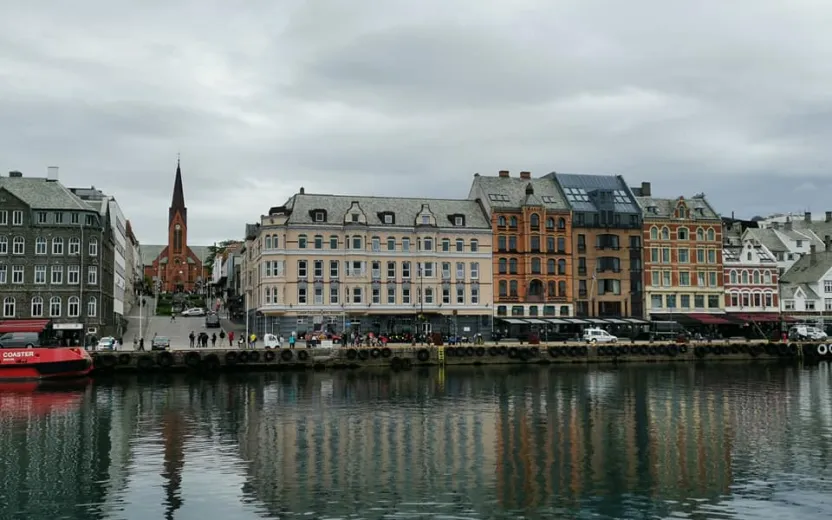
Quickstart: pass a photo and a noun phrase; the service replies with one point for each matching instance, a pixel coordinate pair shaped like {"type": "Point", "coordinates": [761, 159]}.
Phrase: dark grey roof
{"type": "Point", "coordinates": [580, 192]}
{"type": "Point", "coordinates": [660, 208]}
{"type": "Point", "coordinates": [805, 271]}
{"type": "Point", "coordinates": [512, 193]}
{"type": "Point", "coordinates": [767, 237]}
{"type": "Point", "coordinates": [302, 206]}
{"type": "Point", "coordinates": [40, 193]}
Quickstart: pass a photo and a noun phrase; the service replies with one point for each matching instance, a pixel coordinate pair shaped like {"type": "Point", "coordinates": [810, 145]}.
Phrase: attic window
{"type": "Point", "coordinates": [425, 219]}
{"type": "Point", "coordinates": [620, 197]}
{"type": "Point", "coordinates": [497, 197]}
{"type": "Point", "coordinates": [354, 217]}
{"type": "Point", "coordinates": [458, 220]}
{"type": "Point", "coordinates": [388, 218]}
{"type": "Point", "coordinates": [319, 216]}
{"type": "Point", "coordinates": [548, 199]}
{"type": "Point", "coordinates": [652, 209]}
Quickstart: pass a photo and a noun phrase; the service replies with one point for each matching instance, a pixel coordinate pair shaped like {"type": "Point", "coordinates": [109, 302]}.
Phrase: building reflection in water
{"type": "Point", "coordinates": [519, 440]}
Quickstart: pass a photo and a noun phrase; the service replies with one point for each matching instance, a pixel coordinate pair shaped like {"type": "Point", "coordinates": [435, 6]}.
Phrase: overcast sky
{"type": "Point", "coordinates": [412, 97]}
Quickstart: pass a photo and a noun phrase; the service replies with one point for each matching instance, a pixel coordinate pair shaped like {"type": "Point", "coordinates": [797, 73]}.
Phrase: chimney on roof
{"type": "Point", "coordinates": [646, 189]}
{"type": "Point", "coordinates": [15, 174]}
{"type": "Point", "coordinates": [829, 216]}
{"type": "Point", "coordinates": [302, 191]}
{"type": "Point", "coordinates": [813, 256]}
{"type": "Point", "coordinates": [52, 173]}
{"type": "Point", "coordinates": [788, 225]}
{"type": "Point", "coordinates": [476, 175]}
{"type": "Point", "coordinates": [503, 173]}
{"type": "Point", "coordinates": [775, 225]}
{"type": "Point", "coordinates": [807, 216]}
{"type": "Point", "coordinates": [526, 175]}
{"type": "Point", "coordinates": [827, 243]}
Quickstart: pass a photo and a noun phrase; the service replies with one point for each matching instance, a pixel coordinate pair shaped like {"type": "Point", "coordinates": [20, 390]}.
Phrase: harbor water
{"type": "Point", "coordinates": [733, 441]}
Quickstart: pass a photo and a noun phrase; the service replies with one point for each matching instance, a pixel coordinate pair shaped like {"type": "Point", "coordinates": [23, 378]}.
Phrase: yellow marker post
{"type": "Point", "coordinates": [441, 355]}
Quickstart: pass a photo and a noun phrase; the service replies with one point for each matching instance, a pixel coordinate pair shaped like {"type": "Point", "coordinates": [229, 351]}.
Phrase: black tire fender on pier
{"type": "Point", "coordinates": [286, 355]}
{"type": "Point", "coordinates": [363, 355]}
{"type": "Point", "coordinates": [386, 352]}
{"type": "Point", "coordinates": [253, 356]}
{"type": "Point", "coordinates": [553, 352]}
{"type": "Point", "coordinates": [242, 357]}
{"type": "Point", "coordinates": [493, 351]}
{"type": "Point", "coordinates": [583, 351]}
{"type": "Point", "coordinates": [231, 358]}
{"type": "Point", "coordinates": [375, 353]}
{"type": "Point", "coordinates": [782, 349]}
{"type": "Point", "coordinates": [106, 361]}
{"type": "Point", "coordinates": [211, 363]}
{"type": "Point", "coordinates": [793, 349]}
{"type": "Point", "coordinates": [525, 355]}
{"type": "Point", "coordinates": [124, 359]}
{"type": "Point", "coordinates": [469, 351]}
{"type": "Point", "coordinates": [165, 360]}
{"type": "Point", "coordinates": [193, 359]}
{"type": "Point", "coordinates": [683, 349]}
{"type": "Point", "coordinates": [268, 356]}
{"type": "Point", "coordinates": [480, 351]}
{"type": "Point", "coordinates": [534, 351]}
{"type": "Point", "coordinates": [672, 350]}
{"type": "Point", "coordinates": [423, 355]}
{"type": "Point", "coordinates": [503, 350]}
{"type": "Point", "coordinates": [352, 354]}
{"type": "Point", "coordinates": [145, 363]}
{"type": "Point", "coordinates": [512, 353]}
{"type": "Point", "coordinates": [700, 351]}
{"type": "Point", "coordinates": [303, 355]}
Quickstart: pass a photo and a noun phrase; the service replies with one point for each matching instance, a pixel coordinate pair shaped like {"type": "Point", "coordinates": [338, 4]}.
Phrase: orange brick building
{"type": "Point", "coordinates": [532, 248]}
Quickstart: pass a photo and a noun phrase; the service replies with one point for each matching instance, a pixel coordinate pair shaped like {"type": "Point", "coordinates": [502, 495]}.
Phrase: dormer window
{"type": "Point", "coordinates": [458, 221]}
{"type": "Point", "coordinates": [319, 216]}
{"type": "Point", "coordinates": [354, 217]}
{"type": "Point", "coordinates": [387, 217]}
{"type": "Point", "coordinates": [425, 219]}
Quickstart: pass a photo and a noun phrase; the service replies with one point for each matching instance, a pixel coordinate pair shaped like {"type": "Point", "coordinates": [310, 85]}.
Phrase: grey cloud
{"type": "Point", "coordinates": [412, 98]}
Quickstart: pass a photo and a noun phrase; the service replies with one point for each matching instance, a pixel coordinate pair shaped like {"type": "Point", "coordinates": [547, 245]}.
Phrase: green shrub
{"type": "Point", "coordinates": [163, 310]}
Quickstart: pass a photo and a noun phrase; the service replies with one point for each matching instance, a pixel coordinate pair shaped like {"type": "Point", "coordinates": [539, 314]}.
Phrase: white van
{"type": "Point", "coordinates": [599, 336]}
{"type": "Point", "coordinates": [806, 332]}
{"type": "Point", "coordinates": [271, 341]}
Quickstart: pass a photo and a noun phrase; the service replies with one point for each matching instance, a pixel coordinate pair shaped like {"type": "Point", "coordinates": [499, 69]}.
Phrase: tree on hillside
{"type": "Point", "coordinates": [216, 250]}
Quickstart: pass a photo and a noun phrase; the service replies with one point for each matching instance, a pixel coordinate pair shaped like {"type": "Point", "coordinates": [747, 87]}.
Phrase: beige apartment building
{"type": "Point", "coordinates": [372, 264]}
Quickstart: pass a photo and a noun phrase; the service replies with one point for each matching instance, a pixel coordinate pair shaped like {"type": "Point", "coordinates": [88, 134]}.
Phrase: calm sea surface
{"type": "Point", "coordinates": [739, 441]}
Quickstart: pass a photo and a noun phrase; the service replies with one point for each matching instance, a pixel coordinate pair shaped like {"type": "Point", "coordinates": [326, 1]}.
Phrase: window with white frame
{"type": "Point", "coordinates": [769, 299]}
{"type": "Point", "coordinates": [475, 295]}
{"type": "Point", "coordinates": [73, 274]}
{"type": "Point", "coordinates": [712, 279]}
{"type": "Point", "coordinates": [92, 307]}
{"type": "Point", "coordinates": [460, 245]}
{"type": "Point", "coordinates": [376, 295]}
{"type": "Point", "coordinates": [446, 270]}
{"type": "Point", "coordinates": [655, 278]}
{"type": "Point", "coordinates": [810, 305]}
{"type": "Point", "coordinates": [55, 306]}
{"type": "Point", "coordinates": [17, 274]}
{"type": "Point", "coordinates": [18, 246]}
{"type": "Point", "coordinates": [376, 269]}
{"type": "Point", "coordinates": [788, 305]}
{"type": "Point", "coordinates": [92, 275]}
{"type": "Point", "coordinates": [475, 246]}
{"type": "Point", "coordinates": [427, 244]}
{"type": "Point", "coordinates": [406, 295]}
{"type": "Point", "coordinates": [57, 274]}
{"type": "Point", "coordinates": [405, 244]}
{"type": "Point", "coordinates": [17, 218]}
{"type": "Point", "coordinates": [57, 246]}
{"type": "Point", "coordinates": [4, 246]}
{"type": "Point", "coordinates": [73, 307]}
{"type": "Point", "coordinates": [3, 275]}
{"type": "Point", "coordinates": [74, 246]}
{"type": "Point", "coordinates": [446, 295]}
{"type": "Point", "coordinates": [827, 304]}
{"type": "Point", "coordinates": [318, 266]}
{"type": "Point", "coordinates": [318, 292]}
{"type": "Point", "coordinates": [4, 218]}
{"type": "Point", "coordinates": [460, 270]}
{"type": "Point", "coordinates": [40, 246]}
{"type": "Point", "coordinates": [391, 294]}
{"type": "Point", "coordinates": [428, 270]}
{"type": "Point", "coordinates": [333, 268]}
{"type": "Point", "coordinates": [37, 307]}
{"type": "Point", "coordinates": [475, 270]}
{"type": "Point", "coordinates": [391, 270]}
{"type": "Point", "coordinates": [376, 244]}
{"type": "Point", "coordinates": [302, 295]}
{"type": "Point", "coordinates": [460, 294]}
{"type": "Point", "coordinates": [700, 279]}
{"type": "Point", "coordinates": [356, 295]}
{"type": "Point", "coordinates": [333, 294]}
{"type": "Point", "coordinates": [827, 286]}
{"type": "Point", "coordinates": [302, 269]}
{"type": "Point", "coordinates": [40, 274]}
{"type": "Point", "coordinates": [9, 307]}
{"type": "Point", "coordinates": [429, 295]}
{"type": "Point", "coordinates": [405, 270]}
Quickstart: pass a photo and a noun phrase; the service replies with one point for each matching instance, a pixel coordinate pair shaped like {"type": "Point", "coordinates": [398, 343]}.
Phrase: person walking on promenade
{"type": "Point", "coordinates": [292, 340]}
{"type": "Point", "coordinates": [172, 316]}
{"type": "Point", "coordinates": [141, 344]}
{"type": "Point", "coordinates": [231, 338]}
{"type": "Point", "coordinates": [222, 336]}
{"type": "Point", "coordinates": [213, 340]}
{"type": "Point", "coordinates": [192, 337]}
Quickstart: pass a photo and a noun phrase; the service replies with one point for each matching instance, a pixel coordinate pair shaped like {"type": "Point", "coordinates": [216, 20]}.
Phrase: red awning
{"type": "Point", "coordinates": [710, 319]}
{"type": "Point", "coordinates": [23, 326]}
{"type": "Point", "coordinates": [758, 316]}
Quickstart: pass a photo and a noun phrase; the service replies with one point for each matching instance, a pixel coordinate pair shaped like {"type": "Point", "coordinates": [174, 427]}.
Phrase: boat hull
{"type": "Point", "coordinates": [34, 364]}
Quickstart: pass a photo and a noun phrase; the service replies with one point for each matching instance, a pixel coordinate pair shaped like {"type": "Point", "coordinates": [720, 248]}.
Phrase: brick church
{"type": "Point", "coordinates": [177, 265]}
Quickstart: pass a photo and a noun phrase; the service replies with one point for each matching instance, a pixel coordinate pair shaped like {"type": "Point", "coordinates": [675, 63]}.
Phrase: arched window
{"type": "Point", "coordinates": [654, 233]}
{"type": "Point", "coordinates": [561, 266]}
{"type": "Point", "coordinates": [40, 246]}
{"type": "Point", "coordinates": [745, 277]}
{"type": "Point", "coordinates": [562, 288]}
{"type": "Point", "coordinates": [561, 223]}
{"type": "Point", "coordinates": [535, 265]}
{"type": "Point", "coordinates": [502, 266]}
{"type": "Point", "coordinates": [446, 244]}
{"type": "Point", "coordinates": [665, 233]}
{"type": "Point", "coordinates": [535, 221]}
{"type": "Point", "coordinates": [711, 234]}
{"type": "Point", "coordinates": [92, 307]}
{"type": "Point", "coordinates": [57, 246]}
{"type": "Point", "coordinates": [700, 234]}
{"type": "Point", "coordinates": [767, 277]}
{"type": "Point", "coordinates": [550, 223]}
{"type": "Point", "coordinates": [460, 245]}
{"type": "Point", "coordinates": [512, 222]}
{"type": "Point", "coordinates": [682, 233]}
{"type": "Point", "coordinates": [8, 307]}
{"type": "Point", "coordinates": [4, 246]}
{"type": "Point", "coordinates": [37, 307]}
{"type": "Point", "coordinates": [55, 306]}
{"type": "Point", "coordinates": [501, 221]}
{"type": "Point", "coordinates": [74, 246]}
{"type": "Point", "coordinates": [18, 246]}
{"type": "Point", "coordinates": [512, 288]}
{"type": "Point", "coordinates": [756, 277]}
{"type": "Point", "coordinates": [301, 241]}
{"type": "Point", "coordinates": [550, 266]}
{"type": "Point", "coordinates": [733, 276]}
{"type": "Point", "coordinates": [551, 289]}
{"type": "Point", "coordinates": [268, 241]}
{"type": "Point", "coordinates": [475, 246]}
{"type": "Point", "coordinates": [512, 266]}
{"type": "Point", "coordinates": [275, 242]}
{"type": "Point", "coordinates": [503, 288]}
{"type": "Point", "coordinates": [319, 242]}
{"type": "Point", "coordinates": [73, 307]}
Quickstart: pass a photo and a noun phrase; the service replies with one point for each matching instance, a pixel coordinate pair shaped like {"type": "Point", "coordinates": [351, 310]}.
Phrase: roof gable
{"type": "Point", "coordinates": [694, 208]}
{"type": "Point", "coordinates": [40, 193]}
{"type": "Point", "coordinates": [809, 268]}
{"type": "Point", "coordinates": [504, 193]}
{"type": "Point", "coordinates": [596, 192]}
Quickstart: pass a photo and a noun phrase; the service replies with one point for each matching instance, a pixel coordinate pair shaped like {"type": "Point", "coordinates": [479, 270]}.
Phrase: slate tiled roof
{"type": "Point", "coordinates": [804, 271]}
{"type": "Point", "coordinates": [405, 209]}
{"type": "Point", "coordinates": [578, 191]}
{"type": "Point", "coordinates": [660, 208]}
{"type": "Point", "coordinates": [40, 193]}
{"type": "Point", "coordinates": [769, 238]}
{"type": "Point", "coordinates": [511, 193]}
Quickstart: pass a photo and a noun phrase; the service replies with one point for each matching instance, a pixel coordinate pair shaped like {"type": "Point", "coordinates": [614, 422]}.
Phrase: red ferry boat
{"type": "Point", "coordinates": [19, 364]}
{"type": "Point", "coordinates": [29, 361]}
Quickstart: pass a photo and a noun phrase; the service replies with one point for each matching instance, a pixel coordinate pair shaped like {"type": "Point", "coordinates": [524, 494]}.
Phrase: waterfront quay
{"type": "Point", "coordinates": [403, 357]}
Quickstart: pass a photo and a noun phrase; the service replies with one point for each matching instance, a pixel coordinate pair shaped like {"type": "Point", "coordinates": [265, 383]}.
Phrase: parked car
{"type": "Point", "coordinates": [599, 336]}
{"type": "Point", "coordinates": [194, 311]}
{"type": "Point", "coordinates": [212, 321]}
{"type": "Point", "coordinates": [20, 339]}
{"type": "Point", "coordinates": [160, 343]}
{"type": "Point", "coordinates": [106, 343]}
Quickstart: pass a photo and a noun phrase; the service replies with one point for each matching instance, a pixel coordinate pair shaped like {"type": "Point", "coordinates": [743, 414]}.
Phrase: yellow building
{"type": "Point", "coordinates": [373, 264]}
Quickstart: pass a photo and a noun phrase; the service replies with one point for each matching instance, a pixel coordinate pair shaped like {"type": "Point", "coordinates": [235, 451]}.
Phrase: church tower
{"type": "Point", "coordinates": [178, 272]}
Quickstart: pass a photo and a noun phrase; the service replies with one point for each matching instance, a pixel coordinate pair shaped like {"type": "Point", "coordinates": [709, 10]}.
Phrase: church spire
{"type": "Point", "coordinates": [177, 204]}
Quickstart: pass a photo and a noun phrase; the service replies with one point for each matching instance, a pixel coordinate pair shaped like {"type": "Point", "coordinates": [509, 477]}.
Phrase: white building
{"type": "Point", "coordinates": [785, 243]}
{"type": "Point", "coordinates": [807, 286]}
{"type": "Point", "coordinates": [751, 279]}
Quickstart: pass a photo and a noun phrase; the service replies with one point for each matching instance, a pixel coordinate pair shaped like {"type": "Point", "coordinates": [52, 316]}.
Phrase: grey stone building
{"type": "Point", "coordinates": [56, 257]}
